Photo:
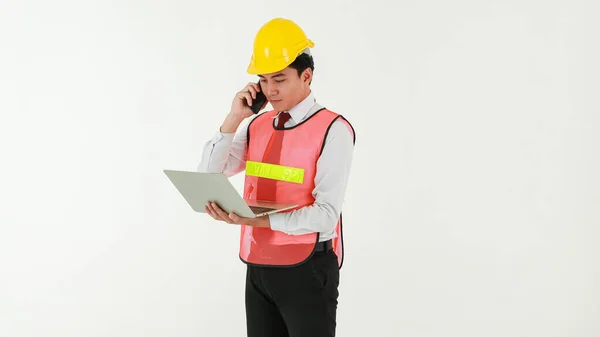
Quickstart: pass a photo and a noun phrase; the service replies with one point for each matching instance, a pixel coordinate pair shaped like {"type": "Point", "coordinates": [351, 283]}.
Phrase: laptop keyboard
{"type": "Point", "coordinates": [258, 210]}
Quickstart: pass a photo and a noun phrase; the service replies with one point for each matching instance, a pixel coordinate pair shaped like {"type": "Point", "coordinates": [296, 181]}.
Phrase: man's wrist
{"type": "Point", "coordinates": [230, 124]}
{"type": "Point", "coordinates": [263, 222]}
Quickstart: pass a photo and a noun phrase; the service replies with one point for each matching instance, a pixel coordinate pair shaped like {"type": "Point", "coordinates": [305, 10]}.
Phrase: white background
{"type": "Point", "coordinates": [473, 204]}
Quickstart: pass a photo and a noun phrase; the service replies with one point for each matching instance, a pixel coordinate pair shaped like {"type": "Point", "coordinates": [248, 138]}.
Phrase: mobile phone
{"type": "Point", "coordinates": [259, 101]}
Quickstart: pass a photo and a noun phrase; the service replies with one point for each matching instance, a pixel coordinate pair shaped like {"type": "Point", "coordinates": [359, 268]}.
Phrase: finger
{"type": "Point", "coordinates": [210, 212]}
{"type": "Point", "coordinates": [240, 220]}
{"type": "Point", "coordinates": [255, 86]}
{"type": "Point", "coordinates": [235, 218]}
{"type": "Point", "coordinates": [252, 90]}
{"type": "Point", "coordinates": [220, 213]}
{"type": "Point", "coordinates": [215, 214]}
{"type": "Point", "coordinates": [245, 95]}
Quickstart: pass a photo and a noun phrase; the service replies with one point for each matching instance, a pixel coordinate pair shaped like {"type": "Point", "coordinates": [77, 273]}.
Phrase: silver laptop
{"type": "Point", "coordinates": [198, 188]}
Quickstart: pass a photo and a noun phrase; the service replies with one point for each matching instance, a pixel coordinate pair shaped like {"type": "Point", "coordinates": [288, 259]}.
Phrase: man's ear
{"type": "Point", "coordinates": [307, 75]}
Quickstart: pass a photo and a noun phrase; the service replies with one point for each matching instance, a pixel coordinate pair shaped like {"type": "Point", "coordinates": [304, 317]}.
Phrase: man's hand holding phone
{"type": "Point", "coordinates": [241, 106]}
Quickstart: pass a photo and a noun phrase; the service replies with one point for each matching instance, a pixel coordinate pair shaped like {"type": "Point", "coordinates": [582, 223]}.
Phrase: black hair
{"type": "Point", "coordinates": [303, 62]}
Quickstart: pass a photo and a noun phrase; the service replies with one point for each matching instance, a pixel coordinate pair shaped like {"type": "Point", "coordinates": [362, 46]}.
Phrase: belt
{"type": "Point", "coordinates": [324, 246]}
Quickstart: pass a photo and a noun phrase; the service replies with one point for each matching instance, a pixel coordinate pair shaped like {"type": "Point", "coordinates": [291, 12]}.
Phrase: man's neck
{"type": "Point", "coordinates": [303, 97]}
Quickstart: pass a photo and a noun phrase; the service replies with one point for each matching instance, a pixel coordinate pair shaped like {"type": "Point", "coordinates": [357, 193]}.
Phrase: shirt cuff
{"type": "Point", "coordinates": [220, 135]}
{"type": "Point", "coordinates": [222, 140]}
{"type": "Point", "coordinates": [277, 221]}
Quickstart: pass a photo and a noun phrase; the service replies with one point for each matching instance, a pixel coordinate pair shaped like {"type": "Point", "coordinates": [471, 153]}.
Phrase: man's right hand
{"type": "Point", "coordinates": [240, 108]}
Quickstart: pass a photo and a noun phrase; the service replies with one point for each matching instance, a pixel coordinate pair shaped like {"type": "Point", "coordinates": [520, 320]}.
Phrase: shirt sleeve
{"type": "Point", "coordinates": [225, 152]}
{"type": "Point", "coordinates": [331, 179]}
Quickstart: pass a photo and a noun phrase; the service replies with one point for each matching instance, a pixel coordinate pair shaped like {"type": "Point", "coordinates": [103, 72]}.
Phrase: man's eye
{"type": "Point", "coordinates": [279, 81]}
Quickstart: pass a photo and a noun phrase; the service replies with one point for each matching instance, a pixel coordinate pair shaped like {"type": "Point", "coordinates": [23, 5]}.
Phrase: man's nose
{"type": "Point", "coordinates": [271, 92]}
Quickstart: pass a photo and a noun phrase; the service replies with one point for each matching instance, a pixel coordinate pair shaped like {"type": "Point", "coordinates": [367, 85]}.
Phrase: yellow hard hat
{"type": "Point", "coordinates": [276, 46]}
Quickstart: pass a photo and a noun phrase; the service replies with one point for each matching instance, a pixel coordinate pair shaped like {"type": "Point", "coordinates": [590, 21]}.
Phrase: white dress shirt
{"type": "Point", "coordinates": [226, 153]}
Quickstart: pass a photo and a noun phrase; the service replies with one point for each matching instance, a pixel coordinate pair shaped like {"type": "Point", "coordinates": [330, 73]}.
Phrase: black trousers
{"type": "Point", "coordinates": [298, 301]}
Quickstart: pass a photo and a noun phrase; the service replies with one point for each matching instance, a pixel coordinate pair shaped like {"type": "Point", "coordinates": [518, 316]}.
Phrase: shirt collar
{"type": "Point", "coordinates": [300, 110]}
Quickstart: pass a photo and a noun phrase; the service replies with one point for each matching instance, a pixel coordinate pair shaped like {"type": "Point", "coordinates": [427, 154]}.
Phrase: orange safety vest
{"type": "Point", "coordinates": [288, 179]}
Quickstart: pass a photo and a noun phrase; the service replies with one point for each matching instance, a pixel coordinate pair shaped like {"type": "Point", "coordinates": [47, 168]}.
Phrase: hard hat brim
{"type": "Point", "coordinates": [253, 70]}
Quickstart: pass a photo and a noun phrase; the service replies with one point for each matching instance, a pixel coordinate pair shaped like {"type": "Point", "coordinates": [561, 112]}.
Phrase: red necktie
{"type": "Point", "coordinates": [265, 188]}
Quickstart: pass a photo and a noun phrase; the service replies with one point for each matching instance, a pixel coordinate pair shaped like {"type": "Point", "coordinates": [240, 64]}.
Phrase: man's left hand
{"type": "Point", "coordinates": [218, 214]}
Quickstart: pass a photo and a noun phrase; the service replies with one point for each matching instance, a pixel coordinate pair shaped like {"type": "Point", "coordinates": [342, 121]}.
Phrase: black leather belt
{"type": "Point", "coordinates": [324, 246]}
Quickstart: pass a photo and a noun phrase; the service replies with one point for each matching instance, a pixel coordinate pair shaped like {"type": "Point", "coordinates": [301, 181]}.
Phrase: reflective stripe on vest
{"type": "Point", "coordinates": [275, 172]}
{"type": "Point", "coordinates": [294, 175]}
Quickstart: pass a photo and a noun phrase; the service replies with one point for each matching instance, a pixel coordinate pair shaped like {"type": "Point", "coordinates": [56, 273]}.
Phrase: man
{"type": "Point", "coordinates": [301, 153]}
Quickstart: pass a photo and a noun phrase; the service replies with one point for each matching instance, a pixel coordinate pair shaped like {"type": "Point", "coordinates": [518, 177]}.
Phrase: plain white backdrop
{"type": "Point", "coordinates": [473, 204]}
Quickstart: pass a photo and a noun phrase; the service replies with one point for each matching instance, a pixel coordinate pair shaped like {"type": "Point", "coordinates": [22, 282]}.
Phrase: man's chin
{"type": "Point", "coordinates": [277, 105]}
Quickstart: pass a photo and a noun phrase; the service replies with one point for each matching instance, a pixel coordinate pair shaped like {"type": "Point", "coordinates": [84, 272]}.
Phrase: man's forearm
{"type": "Point", "coordinates": [230, 124]}
{"type": "Point", "coordinates": [263, 222]}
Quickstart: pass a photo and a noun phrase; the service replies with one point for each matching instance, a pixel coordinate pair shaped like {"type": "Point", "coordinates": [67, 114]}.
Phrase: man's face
{"type": "Point", "coordinates": [285, 89]}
